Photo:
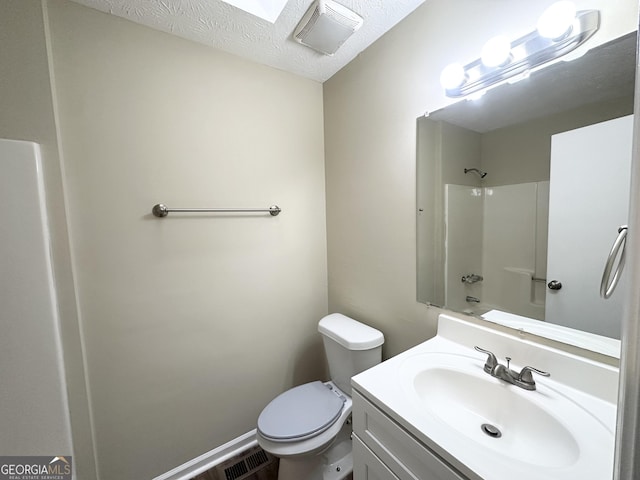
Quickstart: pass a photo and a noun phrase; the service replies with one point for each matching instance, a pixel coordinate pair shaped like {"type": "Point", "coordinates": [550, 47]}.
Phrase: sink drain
{"type": "Point", "coordinates": [491, 430]}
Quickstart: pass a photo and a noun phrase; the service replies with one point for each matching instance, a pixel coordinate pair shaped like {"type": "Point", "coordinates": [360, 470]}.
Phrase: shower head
{"type": "Point", "coordinates": [479, 172]}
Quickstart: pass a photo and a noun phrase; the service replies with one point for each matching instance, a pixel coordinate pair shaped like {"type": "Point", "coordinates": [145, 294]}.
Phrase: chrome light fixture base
{"type": "Point", "coordinates": [527, 52]}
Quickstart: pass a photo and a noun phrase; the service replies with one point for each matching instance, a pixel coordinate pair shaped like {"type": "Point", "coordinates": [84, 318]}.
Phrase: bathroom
{"type": "Point", "coordinates": [177, 332]}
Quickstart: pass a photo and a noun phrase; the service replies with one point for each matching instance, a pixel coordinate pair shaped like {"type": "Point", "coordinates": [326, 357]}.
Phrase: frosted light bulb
{"type": "Point", "coordinates": [452, 76]}
{"type": "Point", "coordinates": [557, 20]}
{"type": "Point", "coordinates": [496, 52]}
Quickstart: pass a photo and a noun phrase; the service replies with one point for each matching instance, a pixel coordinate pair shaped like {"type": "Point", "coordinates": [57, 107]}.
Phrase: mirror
{"type": "Point", "coordinates": [491, 193]}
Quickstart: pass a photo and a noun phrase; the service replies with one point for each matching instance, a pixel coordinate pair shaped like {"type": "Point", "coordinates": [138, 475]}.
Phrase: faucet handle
{"type": "Point", "coordinates": [491, 362]}
{"type": "Point", "coordinates": [526, 376]}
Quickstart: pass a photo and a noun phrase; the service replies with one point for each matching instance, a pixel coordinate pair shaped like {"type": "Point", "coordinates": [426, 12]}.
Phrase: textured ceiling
{"type": "Point", "coordinates": [218, 24]}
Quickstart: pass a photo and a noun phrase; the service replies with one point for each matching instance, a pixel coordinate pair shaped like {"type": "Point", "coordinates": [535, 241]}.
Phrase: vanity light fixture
{"type": "Point", "coordinates": [560, 30]}
{"type": "Point", "coordinates": [557, 20]}
{"type": "Point", "coordinates": [496, 52]}
{"type": "Point", "coordinates": [453, 76]}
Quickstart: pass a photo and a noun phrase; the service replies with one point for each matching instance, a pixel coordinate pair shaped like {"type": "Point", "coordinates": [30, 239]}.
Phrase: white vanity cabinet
{"type": "Point", "coordinates": [383, 450]}
{"type": "Point", "coordinates": [366, 465]}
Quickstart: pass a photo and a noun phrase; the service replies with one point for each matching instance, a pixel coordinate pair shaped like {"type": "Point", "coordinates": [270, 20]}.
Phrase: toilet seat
{"type": "Point", "coordinates": [316, 443]}
{"type": "Point", "coordinates": [301, 413]}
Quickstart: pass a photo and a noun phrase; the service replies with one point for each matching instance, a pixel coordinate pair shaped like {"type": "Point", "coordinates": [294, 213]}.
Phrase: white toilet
{"type": "Point", "coordinates": [309, 426]}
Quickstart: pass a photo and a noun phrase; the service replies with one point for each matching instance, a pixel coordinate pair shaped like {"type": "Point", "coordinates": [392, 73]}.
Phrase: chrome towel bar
{"type": "Point", "coordinates": [161, 210]}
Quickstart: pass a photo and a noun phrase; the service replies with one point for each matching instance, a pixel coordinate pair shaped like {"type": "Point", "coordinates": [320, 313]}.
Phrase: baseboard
{"type": "Point", "coordinates": [212, 458]}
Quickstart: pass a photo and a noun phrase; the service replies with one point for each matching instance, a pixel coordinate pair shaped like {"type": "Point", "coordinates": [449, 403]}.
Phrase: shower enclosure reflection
{"type": "Point", "coordinates": [483, 189]}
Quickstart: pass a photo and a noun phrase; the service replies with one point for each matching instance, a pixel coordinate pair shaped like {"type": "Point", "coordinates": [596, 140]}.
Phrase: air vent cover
{"type": "Point", "coordinates": [326, 26]}
{"type": "Point", "coordinates": [239, 468]}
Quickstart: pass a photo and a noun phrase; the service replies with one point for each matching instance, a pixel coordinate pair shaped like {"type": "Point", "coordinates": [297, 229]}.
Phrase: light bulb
{"type": "Point", "coordinates": [557, 20]}
{"type": "Point", "coordinates": [475, 96]}
{"type": "Point", "coordinates": [452, 76]}
{"type": "Point", "coordinates": [496, 52]}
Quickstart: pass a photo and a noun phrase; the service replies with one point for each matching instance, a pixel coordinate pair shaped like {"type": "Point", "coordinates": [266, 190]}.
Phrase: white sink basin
{"type": "Point", "coordinates": [543, 428]}
{"type": "Point", "coordinates": [514, 425]}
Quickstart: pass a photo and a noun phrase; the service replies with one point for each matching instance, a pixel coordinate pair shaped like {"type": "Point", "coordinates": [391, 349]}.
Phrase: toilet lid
{"type": "Point", "coordinates": [301, 412]}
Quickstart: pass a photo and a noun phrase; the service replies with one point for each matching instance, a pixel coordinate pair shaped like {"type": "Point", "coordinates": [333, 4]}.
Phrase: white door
{"type": "Point", "coordinates": [588, 201]}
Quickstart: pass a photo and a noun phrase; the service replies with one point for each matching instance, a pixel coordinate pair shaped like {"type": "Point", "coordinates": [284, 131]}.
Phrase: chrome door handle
{"type": "Point", "coordinates": [554, 285]}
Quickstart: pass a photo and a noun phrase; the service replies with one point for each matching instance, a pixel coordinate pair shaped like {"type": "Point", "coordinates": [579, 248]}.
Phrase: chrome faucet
{"type": "Point", "coordinates": [470, 299]}
{"type": "Point", "coordinates": [472, 278]}
{"type": "Point", "coordinates": [524, 379]}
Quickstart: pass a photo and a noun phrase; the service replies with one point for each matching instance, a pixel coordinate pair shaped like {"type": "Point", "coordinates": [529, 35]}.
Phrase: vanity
{"type": "Point", "coordinates": [445, 411]}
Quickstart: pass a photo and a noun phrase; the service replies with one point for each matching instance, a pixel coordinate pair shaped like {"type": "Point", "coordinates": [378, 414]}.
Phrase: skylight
{"type": "Point", "coordinates": [267, 10]}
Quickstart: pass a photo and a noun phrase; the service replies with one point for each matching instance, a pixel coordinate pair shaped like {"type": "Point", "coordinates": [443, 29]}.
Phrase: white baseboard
{"type": "Point", "coordinates": [212, 458]}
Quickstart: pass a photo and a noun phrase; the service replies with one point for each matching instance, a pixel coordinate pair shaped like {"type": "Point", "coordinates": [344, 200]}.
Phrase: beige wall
{"type": "Point", "coordinates": [191, 323]}
{"type": "Point", "coordinates": [370, 144]}
{"type": "Point", "coordinates": [27, 113]}
{"type": "Point", "coordinates": [521, 153]}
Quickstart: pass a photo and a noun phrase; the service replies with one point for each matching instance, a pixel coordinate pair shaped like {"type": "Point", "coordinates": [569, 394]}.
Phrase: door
{"type": "Point", "coordinates": [588, 202]}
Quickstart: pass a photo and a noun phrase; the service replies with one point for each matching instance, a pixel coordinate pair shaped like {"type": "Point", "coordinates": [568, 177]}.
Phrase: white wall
{"type": "Point", "coordinates": [370, 141]}
{"type": "Point", "coordinates": [191, 323]}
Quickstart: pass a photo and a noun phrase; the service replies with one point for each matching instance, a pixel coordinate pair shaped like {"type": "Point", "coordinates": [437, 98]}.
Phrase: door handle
{"type": "Point", "coordinates": [554, 285]}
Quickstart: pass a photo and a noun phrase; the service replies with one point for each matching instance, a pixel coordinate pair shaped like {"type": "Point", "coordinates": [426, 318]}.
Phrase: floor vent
{"type": "Point", "coordinates": [256, 460]}
{"type": "Point", "coordinates": [244, 465]}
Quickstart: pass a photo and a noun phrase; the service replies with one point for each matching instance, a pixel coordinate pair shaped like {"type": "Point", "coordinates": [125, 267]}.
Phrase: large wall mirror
{"type": "Point", "coordinates": [521, 193]}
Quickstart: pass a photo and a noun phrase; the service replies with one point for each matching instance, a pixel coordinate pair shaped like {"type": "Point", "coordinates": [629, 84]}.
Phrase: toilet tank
{"type": "Point", "coordinates": [350, 346]}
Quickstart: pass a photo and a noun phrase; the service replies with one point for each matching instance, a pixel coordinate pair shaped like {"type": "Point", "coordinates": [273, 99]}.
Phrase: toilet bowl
{"type": "Point", "coordinates": [309, 426]}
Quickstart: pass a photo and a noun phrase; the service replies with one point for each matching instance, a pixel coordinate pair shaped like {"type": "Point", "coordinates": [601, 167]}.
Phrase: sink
{"type": "Point", "coordinates": [486, 428]}
{"type": "Point", "coordinates": [514, 425]}
{"type": "Point", "coordinates": [546, 429]}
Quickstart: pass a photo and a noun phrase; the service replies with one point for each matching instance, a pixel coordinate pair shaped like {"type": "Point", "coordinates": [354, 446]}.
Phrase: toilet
{"type": "Point", "coordinates": [309, 426]}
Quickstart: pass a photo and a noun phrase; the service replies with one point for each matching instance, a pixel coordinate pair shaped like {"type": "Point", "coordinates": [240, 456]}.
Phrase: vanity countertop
{"type": "Point", "coordinates": [439, 392]}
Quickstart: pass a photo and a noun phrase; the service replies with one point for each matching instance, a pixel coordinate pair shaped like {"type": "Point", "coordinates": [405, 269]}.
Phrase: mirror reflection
{"type": "Point", "coordinates": [521, 193]}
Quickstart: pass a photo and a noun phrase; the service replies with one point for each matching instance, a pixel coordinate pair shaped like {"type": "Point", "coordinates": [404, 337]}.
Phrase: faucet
{"type": "Point", "coordinates": [524, 379]}
{"type": "Point", "coordinates": [472, 278]}
{"type": "Point", "coordinates": [471, 299]}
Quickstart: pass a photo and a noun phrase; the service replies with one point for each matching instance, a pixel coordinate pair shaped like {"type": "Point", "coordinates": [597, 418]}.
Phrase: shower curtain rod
{"type": "Point", "coordinates": [161, 210]}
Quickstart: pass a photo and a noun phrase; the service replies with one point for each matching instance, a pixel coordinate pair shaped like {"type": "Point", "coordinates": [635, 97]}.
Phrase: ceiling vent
{"type": "Point", "coordinates": [326, 26]}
